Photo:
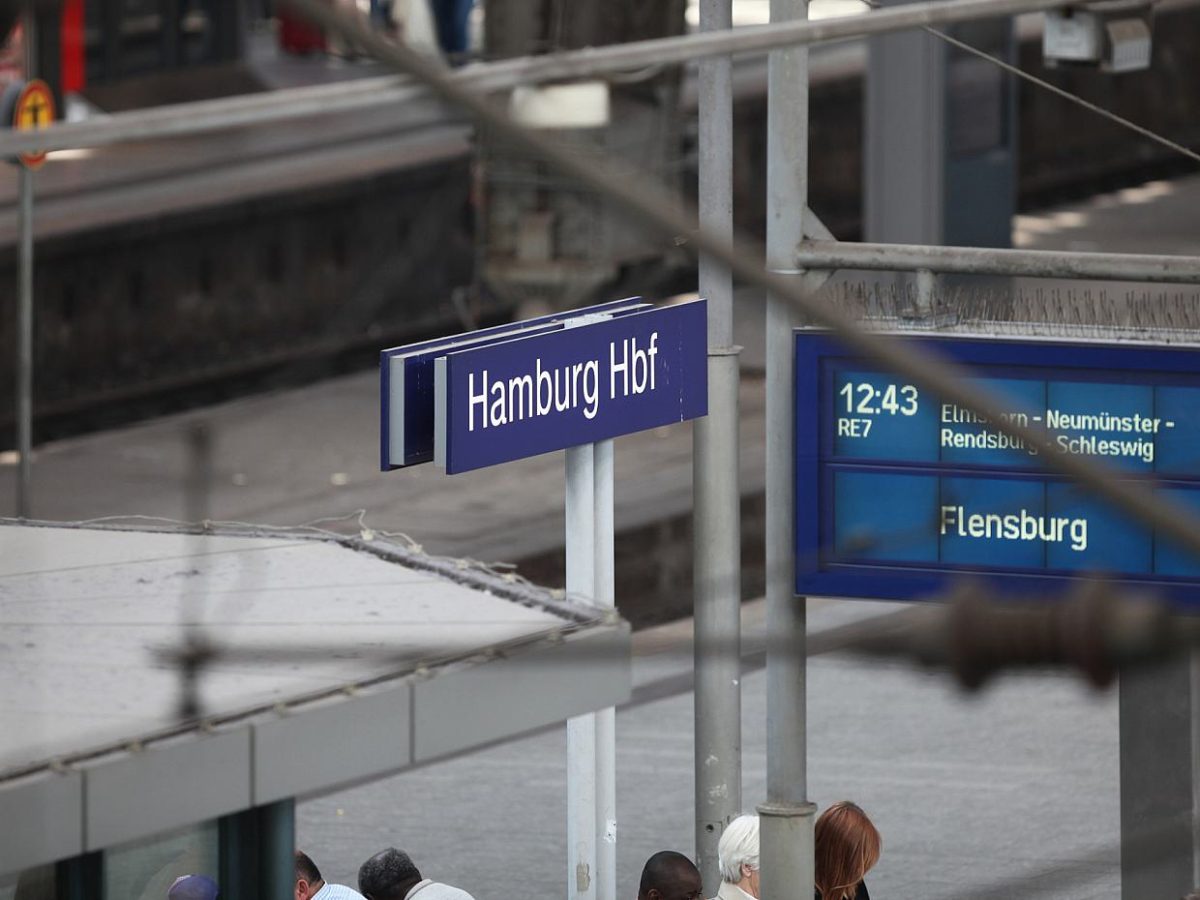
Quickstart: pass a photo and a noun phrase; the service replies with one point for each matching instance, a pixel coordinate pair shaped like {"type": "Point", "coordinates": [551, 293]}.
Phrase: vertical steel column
{"type": "Point", "coordinates": [581, 730]}
{"type": "Point", "coordinates": [80, 877]}
{"type": "Point", "coordinates": [606, 719]}
{"type": "Point", "coordinates": [787, 818]}
{"type": "Point", "coordinates": [1159, 758]}
{"type": "Point", "coordinates": [25, 347]}
{"type": "Point", "coordinates": [25, 302]}
{"type": "Point", "coordinates": [716, 571]}
{"type": "Point", "coordinates": [276, 849]}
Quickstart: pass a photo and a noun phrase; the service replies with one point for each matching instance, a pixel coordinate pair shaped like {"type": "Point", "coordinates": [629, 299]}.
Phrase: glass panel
{"type": "Point", "coordinates": [145, 870]}
{"type": "Point", "coordinates": [32, 884]}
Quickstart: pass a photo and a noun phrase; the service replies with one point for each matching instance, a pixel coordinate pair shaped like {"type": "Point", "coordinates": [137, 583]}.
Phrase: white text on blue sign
{"type": "Point", "coordinates": [544, 391]}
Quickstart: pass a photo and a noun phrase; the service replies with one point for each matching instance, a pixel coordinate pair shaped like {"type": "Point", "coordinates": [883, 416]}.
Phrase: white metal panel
{"type": "Point", "coordinates": [166, 787]}
{"type": "Point", "coordinates": [88, 608]}
{"type": "Point", "coordinates": [349, 739]}
{"type": "Point", "coordinates": [469, 706]}
{"type": "Point", "coordinates": [43, 820]}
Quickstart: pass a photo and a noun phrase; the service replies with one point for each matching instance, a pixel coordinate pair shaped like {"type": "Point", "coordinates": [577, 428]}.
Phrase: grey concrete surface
{"type": "Point", "coordinates": [85, 612]}
{"type": "Point", "coordinates": [1012, 791]}
{"type": "Point", "coordinates": [1010, 794]}
{"type": "Point", "coordinates": [291, 457]}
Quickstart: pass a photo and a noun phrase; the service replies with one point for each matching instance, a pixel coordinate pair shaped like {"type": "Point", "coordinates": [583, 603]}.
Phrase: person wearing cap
{"type": "Point", "coordinates": [311, 886]}
{"type": "Point", "coordinates": [193, 887]}
{"type": "Point", "coordinates": [392, 875]}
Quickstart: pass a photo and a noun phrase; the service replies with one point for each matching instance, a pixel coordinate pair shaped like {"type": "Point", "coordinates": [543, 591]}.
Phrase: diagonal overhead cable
{"type": "Point", "coordinates": [651, 204]}
{"type": "Point", "coordinates": [1056, 90]}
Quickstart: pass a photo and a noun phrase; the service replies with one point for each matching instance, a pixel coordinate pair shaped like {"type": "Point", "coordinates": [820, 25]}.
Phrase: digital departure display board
{"type": "Point", "coordinates": [896, 489]}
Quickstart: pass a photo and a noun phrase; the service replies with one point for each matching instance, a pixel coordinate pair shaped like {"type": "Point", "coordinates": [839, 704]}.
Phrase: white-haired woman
{"type": "Point", "coordinates": [737, 853]}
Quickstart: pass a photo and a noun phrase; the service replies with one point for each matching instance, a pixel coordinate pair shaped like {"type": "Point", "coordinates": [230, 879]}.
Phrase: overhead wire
{"type": "Point", "coordinates": [1057, 91]}
{"type": "Point", "coordinates": [651, 204]}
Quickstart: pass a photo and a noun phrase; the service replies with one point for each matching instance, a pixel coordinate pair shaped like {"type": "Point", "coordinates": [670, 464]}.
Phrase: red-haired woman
{"type": "Point", "coordinates": [847, 847]}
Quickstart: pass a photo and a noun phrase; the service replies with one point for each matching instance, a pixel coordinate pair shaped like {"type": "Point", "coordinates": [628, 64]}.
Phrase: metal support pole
{"type": "Point", "coordinates": [606, 719]}
{"type": "Point", "coordinates": [231, 112]}
{"type": "Point", "coordinates": [25, 347]}
{"type": "Point", "coordinates": [581, 730]}
{"type": "Point", "coordinates": [717, 575]}
{"type": "Point", "coordinates": [786, 826]}
{"type": "Point", "coordinates": [717, 532]}
{"type": "Point", "coordinates": [277, 847]}
{"type": "Point", "coordinates": [650, 204]}
{"type": "Point", "coordinates": [1159, 758]}
{"type": "Point", "coordinates": [25, 303]}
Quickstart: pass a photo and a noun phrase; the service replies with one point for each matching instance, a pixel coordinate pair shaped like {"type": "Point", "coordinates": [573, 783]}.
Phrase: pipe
{"type": "Point", "coordinates": [993, 261]}
{"type": "Point", "coordinates": [581, 730]}
{"type": "Point", "coordinates": [25, 347]}
{"type": "Point", "coordinates": [786, 846]}
{"type": "Point", "coordinates": [606, 719]}
{"type": "Point", "coordinates": [648, 203]}
{"type": "Point", "coordinates": [277, 106]}
{"type": "Point", "coordinates": [716, 573]}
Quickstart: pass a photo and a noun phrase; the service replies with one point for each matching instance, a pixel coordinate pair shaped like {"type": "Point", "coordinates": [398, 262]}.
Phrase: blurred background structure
{"type": "Point", "coordinates": [240, 278]}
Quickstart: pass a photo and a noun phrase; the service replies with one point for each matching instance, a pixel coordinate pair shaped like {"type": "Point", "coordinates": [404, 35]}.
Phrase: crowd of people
{"type": "Point", "coordinates": [847, 847]}
{"type": "Point", "coordinates": [388, 875]}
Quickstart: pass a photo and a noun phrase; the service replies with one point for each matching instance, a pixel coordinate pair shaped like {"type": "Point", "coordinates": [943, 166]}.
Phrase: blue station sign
{"type": "Point", "coordinates": [595, 379]}
{"type": "Point", "coordinates": [897, 490]}
{"type": "Point", "coordinates": [406, 379]}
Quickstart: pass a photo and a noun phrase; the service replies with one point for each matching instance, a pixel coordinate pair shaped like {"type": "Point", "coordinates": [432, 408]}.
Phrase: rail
{"type": "Point", "coordinates": [296, 103]}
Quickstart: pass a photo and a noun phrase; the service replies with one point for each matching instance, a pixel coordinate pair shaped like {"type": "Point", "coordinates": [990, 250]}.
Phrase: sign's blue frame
{"type": "Point", "coordinates": [819, 358]}
{"type": "Point", "coordinates": [406, 404]}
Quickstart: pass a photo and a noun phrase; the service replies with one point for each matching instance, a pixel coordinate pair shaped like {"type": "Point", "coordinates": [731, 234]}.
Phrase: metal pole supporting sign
{"type": "Point", "coordinates": [581, 730]}
{"type": "Point", "coordinates": [591, 738]}
{"type": "Point", "coordinates": [25, 347]}
{"type": "Point", "coordinates": [568, 382]}
{"type": "Point", "coordinates": [28, 106]}
{"type": "Point", "coordinates": [606, 719]}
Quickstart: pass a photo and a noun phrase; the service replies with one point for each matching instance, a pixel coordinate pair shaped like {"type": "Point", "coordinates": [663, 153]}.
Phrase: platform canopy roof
{"type": "Point", "coordinates": [319, 663]}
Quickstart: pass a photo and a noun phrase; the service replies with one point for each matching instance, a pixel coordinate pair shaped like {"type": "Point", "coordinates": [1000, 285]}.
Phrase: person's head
{"type": "Point", "coordinates": [737, 854]}
{"type": "Point", "coordinates": [388, 875]}
{"type": "Point", "coordinates": [668, 875]}
{"type": "Point", "coordinates": [193, 887]}
{"type": "Point", "coordinates": [847, 846]}
{"type": "Point", "coordinates": [308, 877]}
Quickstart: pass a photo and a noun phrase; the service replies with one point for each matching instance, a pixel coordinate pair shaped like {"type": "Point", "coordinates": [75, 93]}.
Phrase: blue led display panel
{"type": "Point", "coordinates": [896, 489]}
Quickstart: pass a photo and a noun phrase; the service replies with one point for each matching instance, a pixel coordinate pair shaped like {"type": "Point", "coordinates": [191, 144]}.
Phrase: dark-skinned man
{"type": "Point", "coordinates": [668, 875]}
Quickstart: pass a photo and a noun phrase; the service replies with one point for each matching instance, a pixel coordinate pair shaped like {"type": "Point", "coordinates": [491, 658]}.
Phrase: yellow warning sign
{"type": "Point", "coordinates": [34, 109]}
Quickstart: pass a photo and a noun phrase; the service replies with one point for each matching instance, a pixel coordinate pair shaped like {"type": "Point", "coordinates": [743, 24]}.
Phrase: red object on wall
{"type": "Point", "coordinates": [72, 70]}
{"type": "Point", "coordinates": [297, 35]}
